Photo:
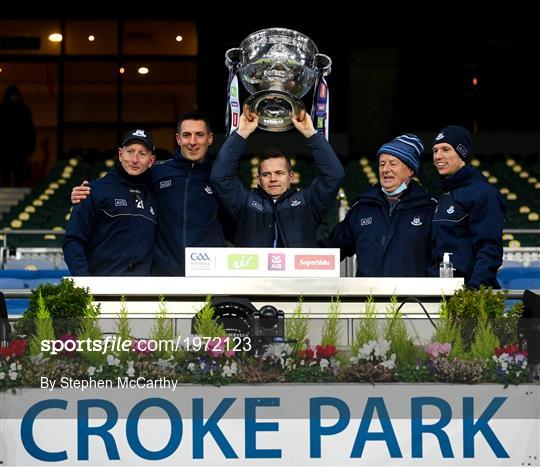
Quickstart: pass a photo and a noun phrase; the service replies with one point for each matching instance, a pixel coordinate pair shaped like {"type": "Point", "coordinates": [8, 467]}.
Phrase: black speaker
{"type": "Point", "coordinates": [529, 326]}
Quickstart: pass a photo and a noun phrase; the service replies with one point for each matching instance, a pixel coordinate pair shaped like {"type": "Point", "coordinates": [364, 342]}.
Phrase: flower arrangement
{"type": "Point", "coordinates": [511, 364]}
{"type": "Point", "coordinates": [277, 363]}
{"type": "Point", "coordinates": [373, 358]}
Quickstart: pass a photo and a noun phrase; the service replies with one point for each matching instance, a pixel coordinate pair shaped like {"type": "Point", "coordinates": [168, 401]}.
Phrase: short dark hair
{"type": "Point", "coordinates": [194, 115]}
{"type": "Point", "coordinates": [274, 153]}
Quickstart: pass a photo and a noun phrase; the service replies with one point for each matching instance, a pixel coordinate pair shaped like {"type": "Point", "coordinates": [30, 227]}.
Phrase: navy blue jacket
{"type": "Point", "coordinates": [295, 215]}
{"type": "Point", "coordinates": [189, 212]}
{"type": "Point", "coordinates": [387, 243]}
{"type": "Point", "coordinates": [468, 223]}
{"type": "Point", "coordinates": [111, 233]}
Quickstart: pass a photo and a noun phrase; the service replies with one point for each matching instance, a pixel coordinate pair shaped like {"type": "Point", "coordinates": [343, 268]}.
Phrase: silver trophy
{"type": "Point", "coordinates": [278, 67]}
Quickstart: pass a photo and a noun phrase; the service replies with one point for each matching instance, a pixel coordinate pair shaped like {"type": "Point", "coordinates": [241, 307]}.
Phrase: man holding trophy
{"type": "Point", "coordinates": [278, 67]}
{"type": "Point", "coordinates": [275, 214]}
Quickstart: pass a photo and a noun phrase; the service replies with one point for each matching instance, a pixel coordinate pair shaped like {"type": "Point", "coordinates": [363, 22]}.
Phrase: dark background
{"type": "Point", "coordinates": [394, 70]}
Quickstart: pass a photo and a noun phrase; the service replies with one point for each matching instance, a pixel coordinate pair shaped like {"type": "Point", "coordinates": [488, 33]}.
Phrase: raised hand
{"type": "Point", "coordinates": [248, 122]}
{"type": "Point", "coordinates": [304, 124]}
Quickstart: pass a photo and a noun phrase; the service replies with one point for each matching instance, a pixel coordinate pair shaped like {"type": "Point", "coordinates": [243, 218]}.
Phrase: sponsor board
{"type": "Point", "coordinates": [262, 262]}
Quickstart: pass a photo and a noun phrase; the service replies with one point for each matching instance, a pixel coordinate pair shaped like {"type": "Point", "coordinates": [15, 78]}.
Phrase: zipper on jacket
{"type": "Point", "coordinates": [131, 264]}
{"type": "Point", "coordinates": [184, 228]}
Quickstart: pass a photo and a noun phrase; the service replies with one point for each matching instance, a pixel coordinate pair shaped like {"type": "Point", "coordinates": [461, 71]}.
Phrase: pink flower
{"type": "Point", "coordinates": [140, 347]}
{"type": "Point", "coordinates": [72, 339]}
{"type": "Point", "coordinates": [435, 349]}
{"type": "Point", "coordinates": [219, 346]}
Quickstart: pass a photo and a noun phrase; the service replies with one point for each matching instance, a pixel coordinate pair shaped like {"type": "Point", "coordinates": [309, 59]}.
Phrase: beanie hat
{"type": "Point", "coordinates": [457, 137]}
{"type": "Point", "coordinates": [407, 148]}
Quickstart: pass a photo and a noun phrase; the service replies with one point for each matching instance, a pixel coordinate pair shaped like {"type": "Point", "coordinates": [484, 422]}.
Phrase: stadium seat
{"type": "Point", "coordinates": [12, 283]}
{"type": "Point", "coordinates": [34, 283]}
{"type": "Point", "coordinates": [17, 307]}
{"type": "Point", "coordinates": [524, 283]}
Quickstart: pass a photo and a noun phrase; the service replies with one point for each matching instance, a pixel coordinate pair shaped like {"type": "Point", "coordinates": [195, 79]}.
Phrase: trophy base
{"type": "Point", "coordinates": [275, 109]}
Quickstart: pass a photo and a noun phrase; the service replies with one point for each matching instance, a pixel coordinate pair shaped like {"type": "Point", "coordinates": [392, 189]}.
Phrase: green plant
{"type": "Point", "coordinates": [396, 334]}
{"type": "Point", "coordinates": [163, 331]}
{"type": "Point", "coordinates": [122, 329]}
{"type": "Point", "coordinates": [205, 325]}
{"type": "Point", "coordinates": [43, 326]}
{"type": "Point", "coordinates": [468, 306]}
{"type": "Point", "coordinates": [418, 372]}
{"type": "Point", "coordinates": [67, 306]}
{"type": "Point", "coordinates": [296, 327]}
{"type": "Point", "coordinates": [89, 332]}
{"type": "Point", "coordinates": [367, 329]}
{"type": "Point", "coordinates": [311, 373]}
{"type": "Point", "coordinates": [331, 332]}
{"type": "Point", "coordinates": [448, 331]}
{"type": "Point", "coordinates": [485, 341]}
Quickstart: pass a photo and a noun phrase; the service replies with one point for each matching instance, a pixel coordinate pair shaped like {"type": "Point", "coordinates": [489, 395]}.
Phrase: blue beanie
{"type": "Point", "coordinates": [457, 137]}
{"type": "Point", "coordinates": [407, 148]}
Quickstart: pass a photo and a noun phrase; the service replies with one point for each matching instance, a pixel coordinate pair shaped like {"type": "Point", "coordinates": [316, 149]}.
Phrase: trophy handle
{"type": "Point", "coordinates": [232, 57]}
{"type": "Point", "coordinates": [323, 63]}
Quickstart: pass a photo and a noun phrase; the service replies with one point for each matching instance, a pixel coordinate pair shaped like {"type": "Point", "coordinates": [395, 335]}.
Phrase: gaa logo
{"type": "Point", "coordinates": [201, 261]}
{"type": "Point", "coordinates": [199, 256]}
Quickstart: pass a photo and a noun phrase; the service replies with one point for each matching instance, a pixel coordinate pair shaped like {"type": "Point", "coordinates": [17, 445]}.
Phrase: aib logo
{"type": "Point", "coordinates": [242, 262]}
{"type": "Point", "coordinates": [276, 262]}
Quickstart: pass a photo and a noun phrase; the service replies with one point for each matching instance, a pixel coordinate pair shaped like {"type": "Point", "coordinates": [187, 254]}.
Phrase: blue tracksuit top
{"type": "Point", "coordinates": [291, 220]}
{"type": "Point", "coordinates": [468, 223]}
{"type": "Point", "coordinates": [189, 212]}
{"type": "Point", "coordinates": [387, 242]}
{"type": "Point", "coordinates": [112, 232]}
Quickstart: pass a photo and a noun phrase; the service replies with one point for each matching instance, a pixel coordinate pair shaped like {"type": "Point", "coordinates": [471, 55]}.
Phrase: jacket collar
{"type": "Point", "coordinates": [282, 197]}
{"type": "Point", "coordinates": [465, 176]}
{"type": "Point", "coordinates": [118, 172]}
{"type": "Point", "coordinates": [414, 194]}
{"type": "Point", "coordinates": [183, 162]}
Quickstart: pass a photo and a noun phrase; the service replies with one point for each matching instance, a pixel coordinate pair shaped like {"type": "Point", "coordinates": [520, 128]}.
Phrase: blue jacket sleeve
{"type": "Point", "coordinates": [486, 225]}
{"type": "Point", "coordinates": [79, 233]}
{"type": "Point", "coordinates": [229, 190]}
{"type": "Point", "coordinates": [342, 237]}
{"type": "Point", "coordinates": [324, 188]}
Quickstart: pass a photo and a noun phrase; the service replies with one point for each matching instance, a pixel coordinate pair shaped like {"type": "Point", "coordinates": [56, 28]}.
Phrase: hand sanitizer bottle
{"type": "Point", "coordinates": [446, 269]}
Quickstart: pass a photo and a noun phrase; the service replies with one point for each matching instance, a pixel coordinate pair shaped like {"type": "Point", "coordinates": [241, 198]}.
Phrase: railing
{"type": "Point", "coordinates": [348, 266]}
{"type": "Point", "coordinates": [185, 296]}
